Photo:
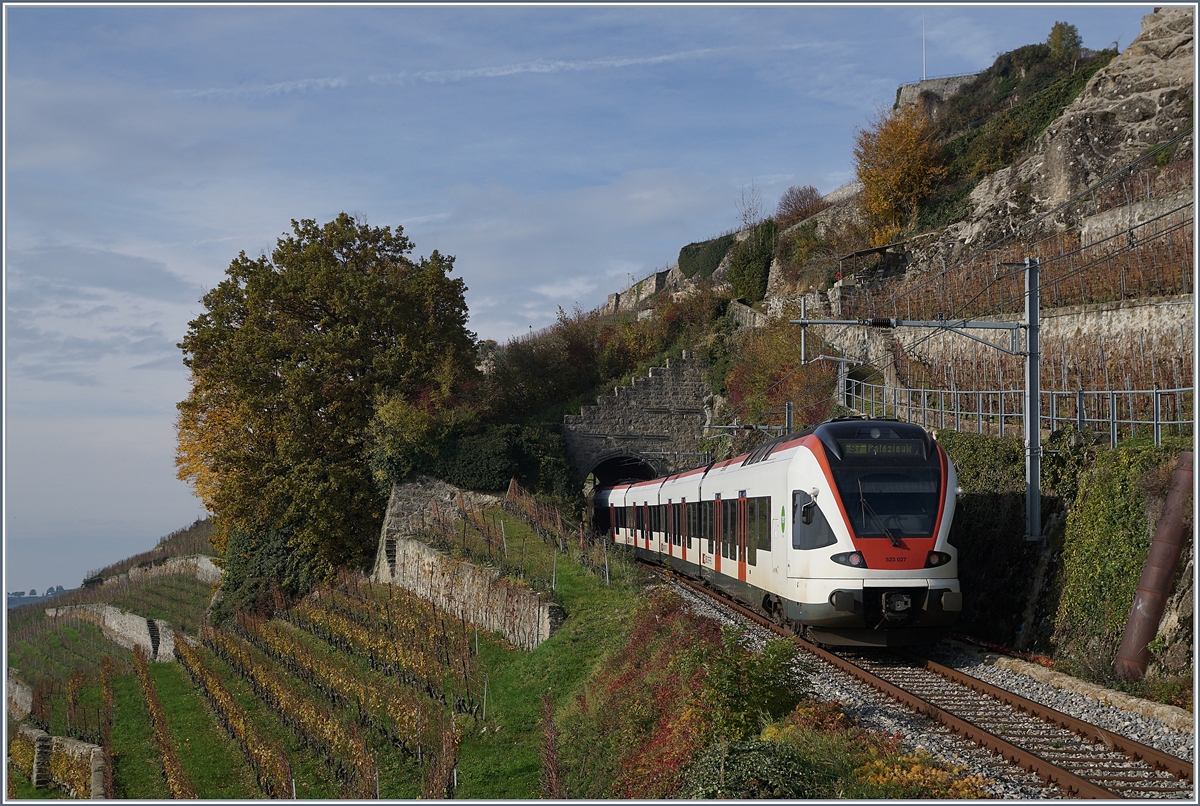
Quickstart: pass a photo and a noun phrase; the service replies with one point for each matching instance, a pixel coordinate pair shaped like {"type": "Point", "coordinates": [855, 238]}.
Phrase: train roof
{"type": "Point", "coordinates": [829, 432]}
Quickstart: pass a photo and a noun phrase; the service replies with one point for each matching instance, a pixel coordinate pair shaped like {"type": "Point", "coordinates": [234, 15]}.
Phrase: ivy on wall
{"type": "Point", "coordinates": [1108, 536]}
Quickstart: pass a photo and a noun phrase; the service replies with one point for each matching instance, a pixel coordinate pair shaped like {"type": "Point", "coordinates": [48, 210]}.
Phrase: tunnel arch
{"type": "Point", "coordinates": [617, 468]}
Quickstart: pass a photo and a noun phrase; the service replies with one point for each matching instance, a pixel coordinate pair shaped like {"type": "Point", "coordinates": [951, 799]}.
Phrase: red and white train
{"type": "Point", "coordinates": [842, 531]}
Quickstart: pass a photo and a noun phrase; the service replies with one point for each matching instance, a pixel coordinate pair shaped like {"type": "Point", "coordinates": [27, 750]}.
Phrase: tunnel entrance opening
{"type": "Point", "coordinates": [621, 470]}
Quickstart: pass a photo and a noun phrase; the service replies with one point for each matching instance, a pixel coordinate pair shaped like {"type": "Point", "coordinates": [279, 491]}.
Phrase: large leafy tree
{"type": "Point", "coordinates": [899, 163]}
{"type": "Point", "coordinates": [288, 362]}
{"type": "Point", "coordinates": [1065, 42]}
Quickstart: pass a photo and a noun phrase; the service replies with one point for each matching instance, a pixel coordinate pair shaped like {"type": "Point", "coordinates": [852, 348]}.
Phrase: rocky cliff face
{"type": "Point", "coordinates": [1142, 98]}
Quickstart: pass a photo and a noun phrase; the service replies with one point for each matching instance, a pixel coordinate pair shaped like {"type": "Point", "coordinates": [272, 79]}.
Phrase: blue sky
{"type": "Point", "coordinates": [556, 151]}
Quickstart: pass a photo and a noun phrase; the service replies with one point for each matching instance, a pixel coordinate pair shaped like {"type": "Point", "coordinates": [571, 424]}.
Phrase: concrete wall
{"type": "Point", "coordinates": [934, 92]}
{"type": "Point", "coordinates": [745, 316]}
{"type": "Point", "coordinates": [127, 629]}
{"type": "Point", "coordinates": [410, 507]}
{"type": "Point", "coordinates": [1111, 222]}
{"type": "Point", "coordinates": [1167, 318]}
{"type": "Point", "coordinates": [629, 299]}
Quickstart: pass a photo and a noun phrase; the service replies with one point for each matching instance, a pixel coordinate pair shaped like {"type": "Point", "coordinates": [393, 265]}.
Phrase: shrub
{"type": "Point", "coordinates": [751, 770]}
{"type": "Point", "coordinates": [699, 260]}
{"type": "Point", "coordinates": [767, 373]}
{"type": "Point", "coordinates": [256, 567]}
{"type": "Point", "coordinates": [21, 752]}
{"type": "Point", "coordinates": [488, 460]}
{"type": "Point", "coordinates": [743, 689]}
{"type": "Point", "coordinates": [995, 562]}
{"type": "Point", "coordinates": [750, 262]}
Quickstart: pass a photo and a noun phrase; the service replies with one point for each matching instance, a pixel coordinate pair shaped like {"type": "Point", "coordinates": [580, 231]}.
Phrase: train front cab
{"type": "Point", "coordinates": [869, 562]}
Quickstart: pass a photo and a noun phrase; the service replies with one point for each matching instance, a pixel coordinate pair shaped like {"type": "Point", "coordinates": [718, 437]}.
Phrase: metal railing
{"type": "Point", "coordinates": [1121, 413]}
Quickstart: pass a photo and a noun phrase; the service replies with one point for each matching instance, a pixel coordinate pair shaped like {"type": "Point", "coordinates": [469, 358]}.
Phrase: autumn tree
{"type": "Point", "coordinates": [288, 363]}
{"type": "Point", "coordinates": [796, 204]}
{"type": "Point", "coordinates": [769, 372]}
{"type": "Point", "coordinates": [898, 162]}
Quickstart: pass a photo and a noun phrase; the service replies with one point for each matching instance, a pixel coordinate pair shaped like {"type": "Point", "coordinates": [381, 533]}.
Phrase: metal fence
{"type": "Point", "coordinates": [1122, 414]}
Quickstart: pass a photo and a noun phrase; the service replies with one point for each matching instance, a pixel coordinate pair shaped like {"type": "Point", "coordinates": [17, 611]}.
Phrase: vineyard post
{"type": "Point", "coordinates": [504, 538]}
{"type": "Point", "coordinates": [606, 563]}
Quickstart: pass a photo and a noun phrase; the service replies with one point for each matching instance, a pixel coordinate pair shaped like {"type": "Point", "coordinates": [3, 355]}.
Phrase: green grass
{"type": "Point", "coordinates": [137, 767]}
{"type": "Point", "coordinates": [212, 760]}
{"type": "Point", "coordinates": [503, 762]}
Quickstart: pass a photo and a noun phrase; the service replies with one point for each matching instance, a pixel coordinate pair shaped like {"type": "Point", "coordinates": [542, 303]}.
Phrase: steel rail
{"type": "Point", "coordinates": [1114, 741]}
{"type": "Point", "coordinates": [1070, 783]}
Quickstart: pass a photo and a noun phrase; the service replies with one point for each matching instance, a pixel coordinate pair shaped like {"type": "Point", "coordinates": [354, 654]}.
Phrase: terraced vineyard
{"type": "Point", "coordinates": [357, 691]}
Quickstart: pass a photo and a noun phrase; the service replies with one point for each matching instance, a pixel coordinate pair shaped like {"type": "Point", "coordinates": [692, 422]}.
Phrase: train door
{"type": "Point", "coordinates": [646, 526]}
{"type": "Point", "coordinates": [741, 535]}
{"type": "Point", "coordinates": [681, 522]}
{"type": "Point", "coordinates": [717, 535]}
{"type": "Point", "coordinates": [612, 521]}
{"type": "Point", "coordinates": [670, 527]}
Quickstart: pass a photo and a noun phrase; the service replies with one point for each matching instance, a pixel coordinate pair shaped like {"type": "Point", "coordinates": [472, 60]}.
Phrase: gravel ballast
{"type": "Point", "coordinates": [876, 711]}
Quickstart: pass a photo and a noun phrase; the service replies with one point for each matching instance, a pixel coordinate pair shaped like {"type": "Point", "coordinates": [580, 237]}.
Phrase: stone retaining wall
{"type": "Point", "coordinates": [19, 697]}
{"type": "Point", "coordinates": [481, 596]}
{"type": "Point", "coordinates": [198, 565]}
{"type": "Point", "coordinates": [74, 766]}
{"type": "Point", "coordinates": [127, 629]}
{"type": "Point", "coordinates": [1169, 319]}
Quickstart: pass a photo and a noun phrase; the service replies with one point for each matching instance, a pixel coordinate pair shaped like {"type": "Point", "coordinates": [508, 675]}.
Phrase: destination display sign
{"type": "Point", "coordinates": [882, 447]}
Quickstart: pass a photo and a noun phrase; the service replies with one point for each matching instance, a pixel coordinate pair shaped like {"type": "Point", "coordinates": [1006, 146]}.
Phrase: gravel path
{"type": "Point", "coordinates": [876, 711]}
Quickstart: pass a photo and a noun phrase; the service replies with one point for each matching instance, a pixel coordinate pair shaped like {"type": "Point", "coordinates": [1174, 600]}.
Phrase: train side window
{"type": "Point", "coordinates": [814, 534]}
{"type": "Point", "coordinates": [706, 524]}
{"type": "Point", "coordinates": [693, 522]}
{"type": "Point", "coordinates": [764, 523]}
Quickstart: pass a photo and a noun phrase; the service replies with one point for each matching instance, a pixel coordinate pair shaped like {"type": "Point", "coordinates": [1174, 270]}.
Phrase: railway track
{"type": "Point", "coordinates": [1080, 759]}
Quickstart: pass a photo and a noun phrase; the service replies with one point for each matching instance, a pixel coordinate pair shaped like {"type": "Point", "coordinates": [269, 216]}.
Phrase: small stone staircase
{"type": "Point", "coordinates": [153, 630]}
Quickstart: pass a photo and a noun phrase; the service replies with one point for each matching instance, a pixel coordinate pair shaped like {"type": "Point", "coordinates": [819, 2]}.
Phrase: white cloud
{"type": "Point", "coordinates": [572, 288]}
{"type": "Point", "coordinates": [264, 90]}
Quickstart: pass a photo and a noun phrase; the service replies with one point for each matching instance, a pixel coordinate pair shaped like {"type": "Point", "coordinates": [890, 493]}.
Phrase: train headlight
{"type": "Point", "coordinates": [854, 559]}
{"type": "Point", "coordinates": [936, 558]}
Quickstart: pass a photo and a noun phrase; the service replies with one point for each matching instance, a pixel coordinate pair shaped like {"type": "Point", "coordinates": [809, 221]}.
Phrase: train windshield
{"type": "Point", "coordinates": [888, 475]}
{"type": "Point", "coordinates": [891, 502]}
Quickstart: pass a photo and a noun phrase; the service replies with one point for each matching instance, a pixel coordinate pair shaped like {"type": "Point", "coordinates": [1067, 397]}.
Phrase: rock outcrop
{"type": "Point", "coordinates": [1143, 97]}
